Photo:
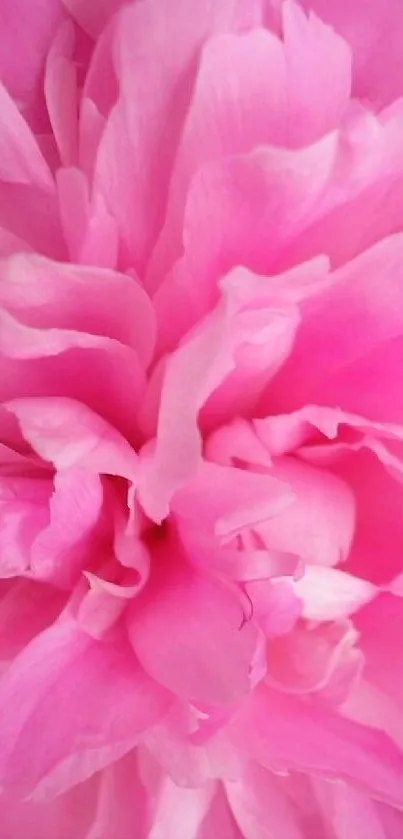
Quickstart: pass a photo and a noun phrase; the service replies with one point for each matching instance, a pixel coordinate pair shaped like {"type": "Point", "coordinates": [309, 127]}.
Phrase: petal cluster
{"type": "Point", "coordinates": [201, 419]}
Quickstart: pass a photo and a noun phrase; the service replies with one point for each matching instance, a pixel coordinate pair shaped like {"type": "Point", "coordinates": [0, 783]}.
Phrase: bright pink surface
{"type": "Point", "coordinates": [201, 419]}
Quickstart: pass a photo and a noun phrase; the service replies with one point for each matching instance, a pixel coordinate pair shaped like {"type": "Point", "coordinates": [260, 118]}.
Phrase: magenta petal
{"type": "Point", "coordinates": [205, 656]}
{"type": "Point", "coordinates": [31, 27]}
{"type": "Point", "coordinates": [21, 161]}
{"type": "Point", "coordinates": [70, 706]}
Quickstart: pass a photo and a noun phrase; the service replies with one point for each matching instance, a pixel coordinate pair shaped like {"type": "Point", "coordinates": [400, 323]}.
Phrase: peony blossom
{"type": "Point", "coordinates": [201, 419]}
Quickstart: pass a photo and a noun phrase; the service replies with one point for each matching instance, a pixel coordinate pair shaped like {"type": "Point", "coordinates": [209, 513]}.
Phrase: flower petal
{"type": "Point", "coordinates": [205, 656]}
{"type": "Point", "coordinates": [283, 732]}
{"type": "Point", "coordinates": [68, 434]}
{"type": "Point", "coordinates": [64, 717]}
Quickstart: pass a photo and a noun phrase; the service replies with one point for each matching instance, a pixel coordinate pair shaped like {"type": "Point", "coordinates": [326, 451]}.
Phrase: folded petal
{"type": "Point", "coordinates": [322, 659]}
{"type": "Point", "coordinates": [91, 20]}
{"type": "Point", "coordinates": [68, 434]}
{"type": "Point", "coordinates": [48, 294]}
{"type": "Point", "coordinates": [319, 496]}
{"type": "Point", "coordinates": [61, 549]}
{"type": "Point", "coordinates": [330, 594]}
{"type": "Point", "coordinates": [219, 371]}
{"type": "Point", "coordinates": [97, 371]}
{"type": "Point", "coordinates": [205, 656]}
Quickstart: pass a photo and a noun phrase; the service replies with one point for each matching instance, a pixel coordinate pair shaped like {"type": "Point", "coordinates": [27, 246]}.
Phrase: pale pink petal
{"type": "Point", "coordinates": [274, 605]}
{"type": "Point", "coordinates": [60, 550]}
{"type": "Point", "coordinates": [284, 732]}
{"type": "Point", "coordinates": [253, 90]}
{"type": "Point", "coordinates": [205, 656]}
{"type": "Point", "coordinates": [319, 524]}
{"type": "Point", "coordinates": [122, 802]}
{"type": "Point", "coordinates": [366, 180]}
{"type": "Point", "coordinates": [329, 593]}
{"type": "Point", "coordinates": [68, 434]}
{"type": "Point", "coordinates": [65, 296]}
{"type": "Point", "coordinates": [238, 102]}
{"type": "Point", "coordinates": [240, 211]}
{"type": "Point", "coordinates": [350, 813]}
{"type": "Point", "coordinates": [284, 433]}
{"type": "Point", "coordinates": [260, 806]}
{"type": "Point", "coordinates": [242, 500]}
{"type": "Point", "coordinates": [170, 744]}
{"type": "Point", "coordinates": [316, 658]}
{"type": "Point", "coordinates": [159, 80]}
{"type": "Point", "coordinates": [100, 372]}
{"type": "Point", "coordinates": [69, 705]}
{"type": "Point", "coordinates": [179, 812]}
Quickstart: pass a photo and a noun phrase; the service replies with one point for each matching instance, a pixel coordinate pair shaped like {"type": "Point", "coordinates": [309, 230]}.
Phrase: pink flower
{"type": "Point", "coordinates": [201, 419]}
